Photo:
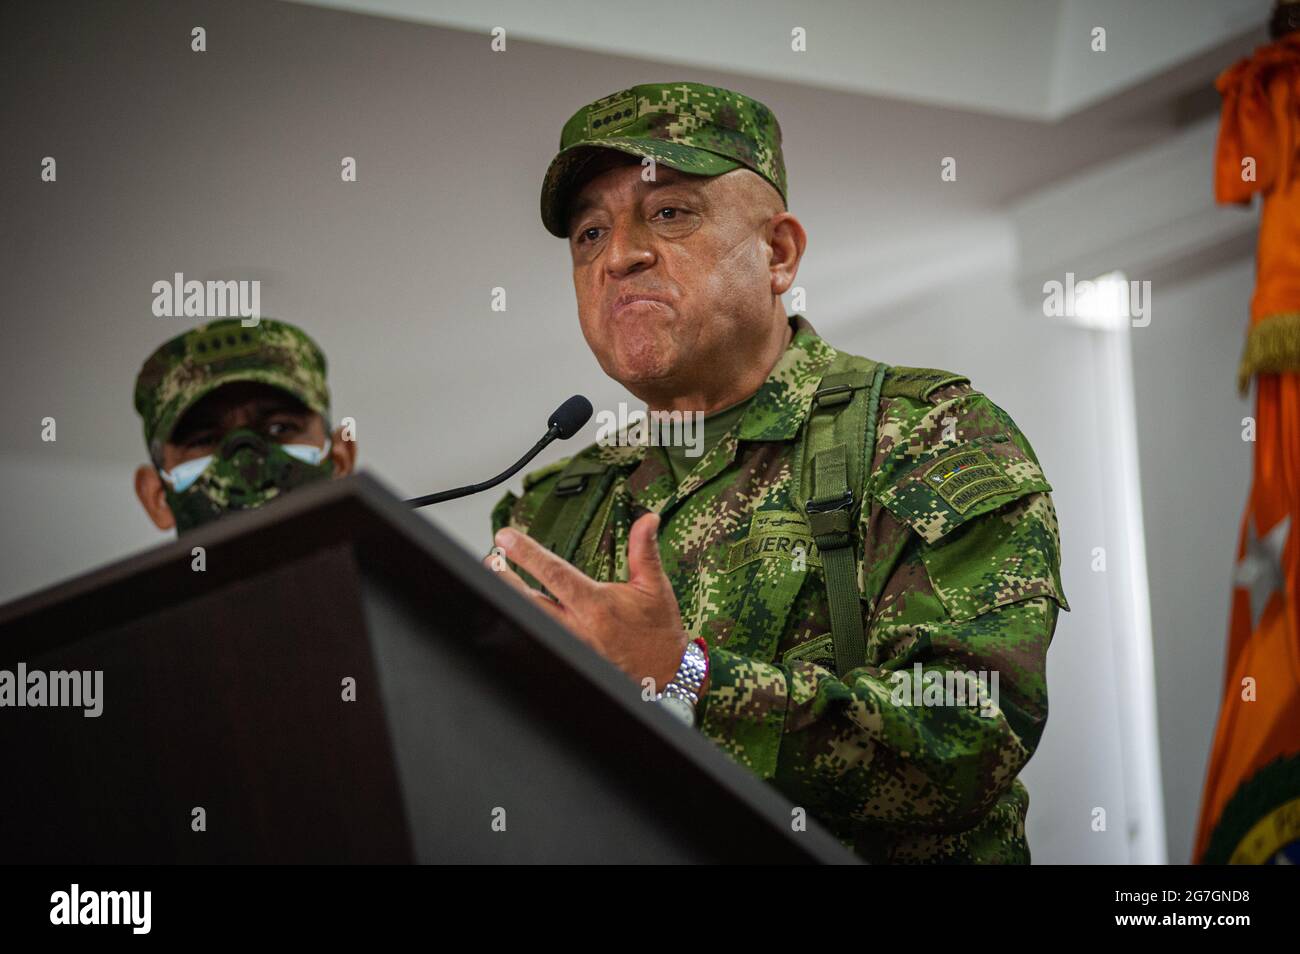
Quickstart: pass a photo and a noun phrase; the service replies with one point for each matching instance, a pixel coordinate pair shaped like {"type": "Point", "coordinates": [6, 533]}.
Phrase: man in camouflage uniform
{"type": "Point", "coordinates": [234, 417]}
{"type": "Point", "coordinates": [852, 528]}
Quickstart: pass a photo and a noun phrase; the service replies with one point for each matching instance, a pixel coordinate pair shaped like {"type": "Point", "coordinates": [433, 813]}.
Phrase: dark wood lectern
{"type": "Point", "coordinates": [481, 731]}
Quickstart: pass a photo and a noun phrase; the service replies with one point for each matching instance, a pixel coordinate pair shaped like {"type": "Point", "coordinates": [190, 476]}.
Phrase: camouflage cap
{"type": "Point", "coordinates": [202, 359]}
{"type": "Point", "coordinates": [704, 130]}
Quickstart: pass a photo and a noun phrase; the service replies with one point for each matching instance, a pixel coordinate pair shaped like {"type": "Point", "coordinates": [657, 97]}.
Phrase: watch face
{"type": "Point", "coordinates": [679, 707]}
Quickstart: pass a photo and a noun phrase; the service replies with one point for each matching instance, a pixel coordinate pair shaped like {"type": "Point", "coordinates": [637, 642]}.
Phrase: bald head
{"type": "Point", "coordinates": [750, 191]}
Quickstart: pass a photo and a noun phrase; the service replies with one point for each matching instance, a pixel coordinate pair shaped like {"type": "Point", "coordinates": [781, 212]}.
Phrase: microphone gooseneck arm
{"type": "Point", "coordinates": [567, 420]}
{"type": "Point", "coordinates": [415, 502]}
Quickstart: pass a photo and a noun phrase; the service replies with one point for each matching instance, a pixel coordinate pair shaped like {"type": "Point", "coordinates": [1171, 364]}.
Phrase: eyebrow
{"type": "Point", "coordinates": [202, 419]}
{"type": "Point", "coordinates": [675, 178]}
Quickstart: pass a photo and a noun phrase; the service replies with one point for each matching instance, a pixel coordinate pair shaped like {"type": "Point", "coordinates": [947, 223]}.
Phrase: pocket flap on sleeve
{"type": "Point", "coordinates": [940, 493]}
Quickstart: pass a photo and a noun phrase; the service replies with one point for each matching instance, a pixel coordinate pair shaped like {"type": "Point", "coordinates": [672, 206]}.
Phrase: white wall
{"type": "Point", "coordinates": [1037, 371]}
{"type": "Point", "coordinates": [1152, 215]}
{"type": "Point", "coordinates": [1195, 478]}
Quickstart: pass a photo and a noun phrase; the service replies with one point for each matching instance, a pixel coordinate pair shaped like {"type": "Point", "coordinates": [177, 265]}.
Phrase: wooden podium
{"type": "Point", "coordinates": [478, 729]}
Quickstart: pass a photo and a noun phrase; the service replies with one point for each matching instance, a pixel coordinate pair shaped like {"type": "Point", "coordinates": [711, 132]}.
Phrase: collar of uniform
{"type": "Point", "coordinates": [778, 407]}
{"type": "Point", "coordinates": [775, 412]}
{"type": "Point", "coordinates": [781, 404]}
{"type": "Point", "coordinates": [621, 453]}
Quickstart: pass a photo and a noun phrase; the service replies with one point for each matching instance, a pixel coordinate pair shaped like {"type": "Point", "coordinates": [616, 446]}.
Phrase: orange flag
{"type": "Point", "coordinates": [1250, 808]}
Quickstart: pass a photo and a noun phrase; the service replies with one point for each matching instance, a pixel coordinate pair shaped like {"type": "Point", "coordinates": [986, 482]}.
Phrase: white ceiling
{"type": "Point", "coordinates": [1029, 59]}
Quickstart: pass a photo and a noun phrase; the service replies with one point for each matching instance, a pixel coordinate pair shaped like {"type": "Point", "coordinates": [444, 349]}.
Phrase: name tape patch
{"type": "Point", "coordinates": [775, 534]}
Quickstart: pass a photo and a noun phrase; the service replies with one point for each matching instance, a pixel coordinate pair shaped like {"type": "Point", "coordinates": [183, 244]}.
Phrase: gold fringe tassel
{"type": "Point", "coordinates": [1272, 347]}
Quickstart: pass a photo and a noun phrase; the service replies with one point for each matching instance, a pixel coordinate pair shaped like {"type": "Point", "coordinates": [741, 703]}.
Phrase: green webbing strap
{"type": "Point", "coordinates": [830, 520]}
{"type": "Point", "coordinates": [840, 441]}
{"type": "Point", "coordinates": [573, 501]}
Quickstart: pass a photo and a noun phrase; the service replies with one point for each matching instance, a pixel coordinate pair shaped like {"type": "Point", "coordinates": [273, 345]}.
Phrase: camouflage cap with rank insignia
{"type": "Point", "coordinates": [202, 359]}
{"type": "Point", "coordinates": [704, 130]}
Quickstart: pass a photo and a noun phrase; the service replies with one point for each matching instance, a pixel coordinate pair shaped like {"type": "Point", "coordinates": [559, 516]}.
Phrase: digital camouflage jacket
{"type": "Point", "coordinates": [958, 589]}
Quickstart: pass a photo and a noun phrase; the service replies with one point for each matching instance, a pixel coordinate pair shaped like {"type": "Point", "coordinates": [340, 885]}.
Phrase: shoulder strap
{"type": "Point", "coordinates": [918, 383]}
{"type": "Point", "coordinates": [835, 458]}
{"type": "Point", "coordinates": [565, 514]}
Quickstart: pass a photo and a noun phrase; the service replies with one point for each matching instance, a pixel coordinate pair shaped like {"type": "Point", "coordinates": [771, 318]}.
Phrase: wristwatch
{"type": "Point", "coordinates": [682, 694]}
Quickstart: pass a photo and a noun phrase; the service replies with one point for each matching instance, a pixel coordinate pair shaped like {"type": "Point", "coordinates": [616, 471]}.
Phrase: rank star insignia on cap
{"type": "Point", "coordinates": [202, 359]}
{"type": "Point", "coordinates": [698, 129]}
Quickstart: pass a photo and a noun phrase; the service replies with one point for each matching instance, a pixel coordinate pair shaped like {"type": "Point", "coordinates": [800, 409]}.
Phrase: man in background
{"type": "Point", "coordinates": [234, 417]}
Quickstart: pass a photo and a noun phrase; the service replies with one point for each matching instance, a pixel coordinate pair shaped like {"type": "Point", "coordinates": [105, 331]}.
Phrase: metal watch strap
{"type": "Point", "coordinates": [691, 673]}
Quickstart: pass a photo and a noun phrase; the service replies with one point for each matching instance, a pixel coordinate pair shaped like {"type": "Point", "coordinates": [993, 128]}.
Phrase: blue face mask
{"type": "Point", "coordinates": [181, 477]}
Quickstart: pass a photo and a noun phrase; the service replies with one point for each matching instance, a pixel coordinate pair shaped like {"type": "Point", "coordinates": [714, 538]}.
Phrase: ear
{"type": "Point", "coordinates": [343, 453]}
{"type": "Point", "coordinates": [787, 239]}
{"type": "Point", "coordinates": [153, 497]}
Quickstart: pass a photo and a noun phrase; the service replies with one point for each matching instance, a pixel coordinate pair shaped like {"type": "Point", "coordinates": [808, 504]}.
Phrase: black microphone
{"type": "Point", "coordinates": [566, 421]}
